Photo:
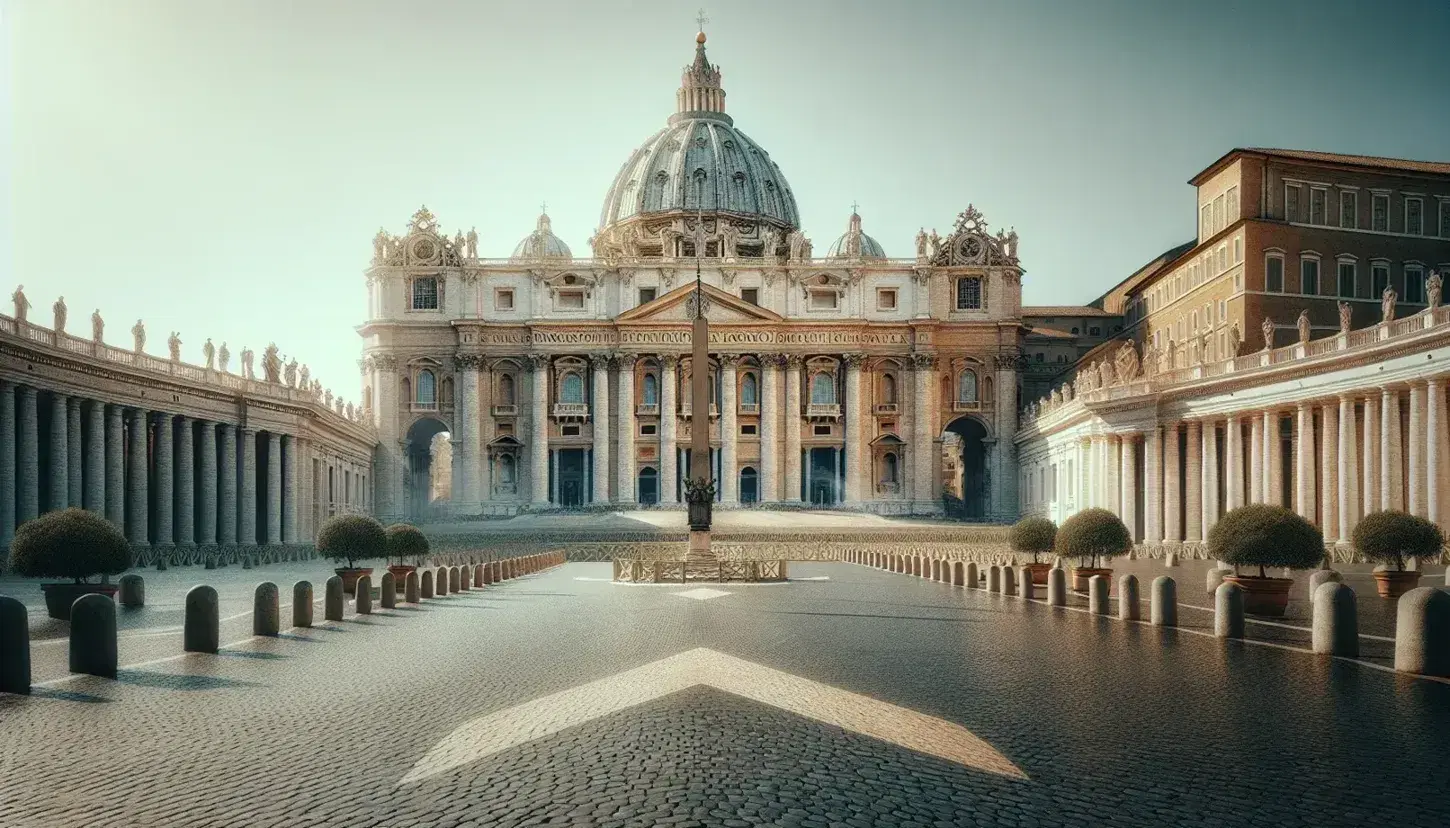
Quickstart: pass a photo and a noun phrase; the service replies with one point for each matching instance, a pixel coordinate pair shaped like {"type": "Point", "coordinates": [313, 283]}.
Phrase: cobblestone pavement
{"type": "Point", "coordinates": [1109, 723]}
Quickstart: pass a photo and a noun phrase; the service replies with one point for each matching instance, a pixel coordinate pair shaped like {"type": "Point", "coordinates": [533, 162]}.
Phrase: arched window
{"type": "Point", "coordinates": [888, 468]}
{"type": "Point", "coordinates": [823, 389]}
{"type": "Point", "coordinates": [571, 389]}
{"type": "Point", "coordinates": [427, 388]}
{"type": "Point", "coordinates": [651, 390]}
{"type": "Point", "coordinates": [967, 386]}
{"type": "Point", "coordinates": [506, 390]}
{"type": "Point", "coordinates": [748, 391]}
{"type": "Point", "coordinates": [888, 389]}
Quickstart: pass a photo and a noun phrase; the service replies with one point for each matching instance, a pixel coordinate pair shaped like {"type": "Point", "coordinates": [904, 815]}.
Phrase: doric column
{"type": "Point", "coordinates": [625, 490]}
{"type": "Point", "coordinates": [1084, 473]}
{"type": "Point", "coordinates": [1172, 485]}
{"type": "Point", "coordinates": [465, 495]}
{"type": "Point", "coordinates": [1370, 457]}
{"type": "Point", "coordinates": [115, 467]}
{"type": "Point", "coordinates": [94, 495]}
{"type": "Point", "coordinates": [163, 448]}
{"type": "Point", "coordinates": [138, 515]}
{"type": "Point", "coordinates": [1153, 485]}
{"type": "Point", "coordinates": [729, 431]}
{"type": "Point", "coordinates": [289, 489]}
{"type": "Point", "coordinates": [539, 429]}
{"type": "Point", "coordinates": [599, 411]}
{"type": "Point", "coordinates": [1329, 471]}
{"type": "Point", "coordinates": [1210, 476]}
{"type": "Point", "coordinates": [59, 495]}
{"type": "Point", "coordinates": [1092, 467]}
{"type": "Point", "coordinates": [206, 514]}
{"type": "Point", "coordinates": [229, 511]}
{"type": "Point", "coordinates": [74, 452]}
{"type": "Point", "coordinates": [769, 427]}
{"type": "Point", "coordinates": [27, 468]}
{"type": "Point", "coordinates": [1256, 460]}
{"type": "Point", "coordinates": [1273, 460]}
{"type": "Point", "coordinates": [1392, 486]}
{"type": "Point", "coordinates": [1193, 484]}
{"type": "Point", "coordinates": [185, 483]}
{"type": "Point", "coordinates": [1233, 463]}
{"type": "Point", "coordinates": [1437, 450]}
{"type": "Point", "coordinates": [247, 499]}
{"type": "Point", "coordinates": [1304, 463]}
{"type": "Point", "coordinates": [922, 426]}
{"type": "Point", "coordinates": [274, 488]}
{"type": "Point", "coordinates": [1347, 480]}
{"type": "Point", "coordinates": [669, 461]}
{"type": "Point", "coordinates": [1129, 480]}
{"type": "Point", "coordinates": [855, 464]}
{"type": "Point", "coordinates": [1417, 490]}
{"type": "Point", "coordinates": [1112, 464]}
{"type": "Point", "coordinates": [7, 463]}
{"type": "Point", "coordinates": [792, 426]}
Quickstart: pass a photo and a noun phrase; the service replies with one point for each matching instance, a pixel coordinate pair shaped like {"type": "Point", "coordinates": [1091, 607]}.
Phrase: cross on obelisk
{"type": "Point", "coordinates": [698, 491]}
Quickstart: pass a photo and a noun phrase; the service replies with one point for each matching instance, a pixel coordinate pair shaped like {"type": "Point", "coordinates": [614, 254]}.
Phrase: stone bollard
{"type": "Point", "coordinates": [478, 575]}
{"type": "Point", "coordinates": [1336, 619]}
{"type": "Point", "coordinates": [1215, 577]}
{"type": "Point", "coordinates": [332, 600]}
{"type": "Point", "coordinates": [1163, 603]}
{"type": "Point", "coordinates": [302, 604]}
{"type": "Point", "coordinates": [1228, 611]}
{"type": "Point", "coordinates": [388, 590]}
{"type": "Point", "coordinates": [363, 595]}
{"type": "Point", "coordinates": [93, 636]}
{"type": "Point", "coordinates": [410, 587]}
{"type": "Point", "coordinates": [425, 582]}
{"type": "Point", "coordinates": [487, 569]}
{"type": "Point", "coordinates": [1024, 583]}
{"type": "Point", "coordinates": [211, 561]}
{"type": "Point", "coordinates": [455, 580]}
{"type": "Point", "coordinates": [959, 573]}
{"type": "Point", "coordinates": [201, 632]}
{"type": "Point", "coordinates": [14, 647]}
{"type": "Point", "coordinates": [465, 579]}
{"type": "Point", "coordinates": [1009, 581]}
{"type": "Point", "coordinates": [1422, 632]}
{"type": "Point", "coordinates": [973, 578]}
{"type": "Point", "coordinates": [495, 572]}
{"type": "Point", "coordinates": [1128, 598]}
{"type": "Point", "coordinates": [440, 582]}
{"type": "Point", "coordinates": [266, 617]}
{"type": "Point", "coordinates": [1447, 576]}
{"type": "Point", "coordinates": [161, 564]}
{"type": "Point", "coordinates": [1056, 587]}
{"type": "Point", "coordinates": [994, 578]}
{"type": "Point", "coordinates": [1098, 595]}
{"type": "Point", "coordinates": [1321, 576]}
{"type": "Point", "coordinates": [133, 591]}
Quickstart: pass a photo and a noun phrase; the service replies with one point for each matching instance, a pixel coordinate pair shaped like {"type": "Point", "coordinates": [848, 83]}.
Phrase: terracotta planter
{"type": "Point", "coordinates": [1263, 596]}
{"type": "Point", "coordinates": [59, 597]}
{"type": "Point", "coordinates": [350, 576]}
{"type": "Point", "coordinates": [400, 574]}
{"type": "Point", "coordinates": [1393, 583]}
{"type": "Point", "coordinates": [1080, 577]}
{"type": "Point", "coordinates": [1039, 572]}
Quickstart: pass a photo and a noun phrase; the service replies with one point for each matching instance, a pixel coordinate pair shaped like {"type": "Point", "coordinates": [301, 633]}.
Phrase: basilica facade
{"type": "Point", "coordinates": [847, 379]}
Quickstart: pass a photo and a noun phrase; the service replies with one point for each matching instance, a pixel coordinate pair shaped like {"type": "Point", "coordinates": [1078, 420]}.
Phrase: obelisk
{"type": "Point", "coordinates": [700, 486]}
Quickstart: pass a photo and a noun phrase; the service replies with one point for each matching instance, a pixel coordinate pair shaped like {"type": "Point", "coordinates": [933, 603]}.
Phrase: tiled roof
{"type": "Point", "coordinates": [1063, 310]}
{"type": "Point", "coordinates": [1050, 333]}
{"type": "Point", "coordinates": [1435, 167]}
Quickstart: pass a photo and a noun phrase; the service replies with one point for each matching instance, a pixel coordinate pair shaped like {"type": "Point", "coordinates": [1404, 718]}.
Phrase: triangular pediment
{"type": "Point", "coordinates": [724, 308]}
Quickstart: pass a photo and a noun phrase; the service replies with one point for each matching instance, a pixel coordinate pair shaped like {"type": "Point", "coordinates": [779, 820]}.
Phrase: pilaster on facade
{"type": "Point", "coordinates": [599, 412]}
{"type": "Point", "coordinates": [625, 485]}
{"type": "Point", "coordinates": [794, 365]}
{"type": "Point", "coordinates": [770, 365]}
{"type": "Point", "coordinates": [855, 462]}
{"type": "Point", "coordinates": [538, 366]}
{"type": "Point", "coordinates": [924, 492]}
{"type": "Point", "coordinates": [669, 462]}
{"type": "Point", "coordinates": [729, 431]}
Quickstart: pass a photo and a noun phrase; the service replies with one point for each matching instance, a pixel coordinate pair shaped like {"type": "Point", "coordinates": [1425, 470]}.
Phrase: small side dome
{"type": "Point", "coordinates": [541, 244]}
{"type": "Point", "coordinates": [855, 244]}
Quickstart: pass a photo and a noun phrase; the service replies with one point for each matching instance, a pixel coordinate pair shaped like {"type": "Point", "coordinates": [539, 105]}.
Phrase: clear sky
{"type": "Point", "coordinates": [219, 167]}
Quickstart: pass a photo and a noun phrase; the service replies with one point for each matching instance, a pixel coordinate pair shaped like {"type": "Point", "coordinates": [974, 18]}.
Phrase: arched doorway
{"type": "Point", "coordinates": [749, 485]}
{"type": "Point", "coordinates": [972, 484]}
{"type": "Point", "coordinates": [648, 485]}
{"type": "Point", "coordinates": [422, 472]}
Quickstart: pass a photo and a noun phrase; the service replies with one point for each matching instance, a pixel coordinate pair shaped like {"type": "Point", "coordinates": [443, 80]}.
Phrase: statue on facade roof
{"type": "Point", "coordinates": [290, 373]}
{"type": "Point", "coordinates": [935, 241]}
{"type": "Point", "coordinates": [1387, 303]}
{"type": "Point", "coordinates": [729, 237]}
{"type": "Point", "coordinates": [60, 314]}
{"type": "Point", "coordinates": [208, 353]}
{"type": "Point", "coordinates": [22, 304]}
{"type": "Point", "coordinates": [1346, 316]}
{"type": "Point", "coordinates": [173, 346]}
{"type": "Point", "coordinates": [98, 327]}
{"type": "Point", "coordinates": [771, 247]}
{"type": "Point", "coordinates": [1172, 355]}
{"type": "Point", "coordinates": [1105, 373]}
{"type": "Point", "coordinates": [349, 413]}
{"type": "Point", "coordinates": [1127, 359]}
{"type": "Point", "coordinates": [224, 356]}
{"type": "Point", "coordinates": [380, 251]}
{"type": "Point", "coordinates": [1267, 327]}
{"type": "Point", "coordinates": [271, 364]}
{"type": "Point", "coordinates": [327, 398]}
{"type": "Point", "coordinates": [1235, 340]}
{"type": "Point", "coordinates": [1433, 286]}
{"type": "Point", "coordinates": [921, 244]}
{"type": "Point", "coordinates": [1304, 328]}
{"type": "Point", "coordinates": [1011, 247]}
{"type": "Point", "coordinates": [472, 243]}
{"type": "Point", "coordinates": [138, 334]}
{"type": "Point", "coordinates": [304, 378]}
{"type": "Point", "coordinates": [248, 371]}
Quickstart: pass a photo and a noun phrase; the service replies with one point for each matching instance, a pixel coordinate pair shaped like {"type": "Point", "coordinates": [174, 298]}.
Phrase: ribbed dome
{"type": "Point", "coordinates": [542, 244]}
{"type": "Point", "coordinates": [700, 162]}
{"type": "Point", "coordinates": [855, 244]}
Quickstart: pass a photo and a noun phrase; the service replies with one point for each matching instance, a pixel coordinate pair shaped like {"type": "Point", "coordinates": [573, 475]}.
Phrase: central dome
{"type": "Point", "coordinates": [701, 163]}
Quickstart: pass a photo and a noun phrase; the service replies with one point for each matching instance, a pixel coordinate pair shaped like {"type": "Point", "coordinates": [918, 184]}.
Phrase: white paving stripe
{"type": "Point", "coordinates": [702, 594]}
{"type": "Point", "coordinates": [551, 714]}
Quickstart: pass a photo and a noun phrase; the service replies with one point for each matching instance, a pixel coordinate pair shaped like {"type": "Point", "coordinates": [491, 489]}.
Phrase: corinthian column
{"type": "Point", "coordinates": [921, 410]}
{"type": "Point", "coordinates": [855, 421]}
{"type": "Point", "coordinates": [1436, 447]}
{"type": "Point", "coordinates": [1304, 463]}
{"type": "Point", "coordinates": [793, 428]}
{"type": "Point", "coordinates": [729, 431]}
{"type": "Point", "coordinates": [138, 515]}
{"type": "Point", "coordinates": [625, 490]}
{"type": "Point", "coordinates": [1392, 487]}
{"type": "Point", "coordinates": [769, 427]}
{"type": "Point", "coordinates": [1172, 491]}
{"type": "Point", "coordinates": [1418, 490]}
{"type": "Point", "coordinates": [599, 411]}
{"type": "Point", "coordinates": [1153, 486]}
{"type": "Point", "coordinates": [1193, 484]}
{"type": "Point", "coordinates": [185, 484]}
{"type": "Point", "coordinates": [94, 496]}
{"type": "Point", "coordinates": [115, 467]}
{"type": "Point", "coordinates": [207, 513]}
{"type": "Point", "coordinates": [7, 463]}
{"type": "Point", "coordinates": [539, 430]}
{"type": "Point", "coordinates": [1329, 471]}
{"type": "Point", "coordinates": [1347, 480]}
{"type": "Point", "coordinates": [274, 488]}
{"type": "Point", "coordinates": [59, 455]}
{"type": "Point", "coordinates": [669, 465]}
{"type": "Point", "coordinates": [247, 506]}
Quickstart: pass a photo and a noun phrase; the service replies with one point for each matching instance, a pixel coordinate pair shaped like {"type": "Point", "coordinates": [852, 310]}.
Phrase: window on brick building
{"type": "Point", "coordinates": [1347, 279]}
{"type": "Point", "coordinates": [1274, 274]}
{"type": "Point", "coordinates": [1414, 284]}
{"type": "Point", "coordinates": [1309, 276]}
{"type": "Point", "coordinates": [1291, 202]}
{"type": "Point", "coordinates": [1415, 216]}
{"type": "Point", "coordinates": [1379, 278]}
{"type": "Point", "coordinates": [1318, 206]}
{"type": "Point", "coordinates": [1380, 212]}
{"type": "Point", "coordinates": [1348, 209]}
{"type": "Point", "coordinates": [1233, 204]}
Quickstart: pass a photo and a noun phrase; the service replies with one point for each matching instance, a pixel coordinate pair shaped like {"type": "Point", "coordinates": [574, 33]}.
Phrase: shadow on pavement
{"type": "Point", "coordinates": [173, 681]}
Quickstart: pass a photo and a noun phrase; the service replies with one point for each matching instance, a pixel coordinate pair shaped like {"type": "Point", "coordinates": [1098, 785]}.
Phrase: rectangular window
{"type": "Point", "coordinates": [569, 431]}
{"type": "Point", "coordinates": [1348, 209]}
{"type": "Point", "coordinates": [571, 299]}
{"type": "Point", "coordinates": [1238, 249]}
{"type": "Point", "coordinates": [751, 295]}
{"type": "Point", "coordinates": [1414, 285]}
{"type": "Point", "coordinates": [647, 295]}
{"type": "Point", "coordinates": [1346, 279]}
{"type": "Point", "coordinates": [425, 293]}
{"type": "Point", "coordinates": [1218, 214]}
{"type": "Point", "coordinates": [1415, 216]}
{"type": "Point", "coordinates": [969, 293]}
{"type": "Point", "coordinates": [1205, 221]}
{"type": "Point", "coordinates": [503, 299]}
{"type": "Point", "coordinates": [1233, 204]}
{"type": "Point", "coordinates": [1291, 202]}
{"type": "Point", "coordinates": [1222, 258]}
{"type": "Point", "coordinates": [1379, 212]}
{"type": "Point", "coordinates": [1095, 331]}
{"type": "Point", "coordinates": [1318, 209]}
{"type": "Point", "coordinates": [748, 428]}
{"type": "Point", "coordinates": [648, 429]}
{"type": "Point", "coordinates": [886, 299]}
{"type": "Point", "coordinates": [821, 431]}
{"type": "Point", "coordinates": [1445, 218]}
{"type": "Point", "coordinates": [1379, 278]}
{"type": "Point", "coordinates": [1274, 274]}
{"type": "Point", "coordinates": [1309, 277]}
{"type": "Point", "coordinates": [1223, 310]}
{"type": "Point", "coordinates": [823, 300]}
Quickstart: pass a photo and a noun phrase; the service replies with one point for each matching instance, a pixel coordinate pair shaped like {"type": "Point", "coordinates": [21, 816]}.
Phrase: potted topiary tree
{"type": "Point", "coordinates": [1089, 535]}
{"type": "Point", "coordinates": [349, 539]}
{"type": "Point", "coordinates": [405, 542]}
{"type": "Point", "coordinates": [1262, 535]}
{"type": "Point", "coordinates": [70, 543]}
{"type": "Point", "coordinates": [1392, 537]}
{"type": "Point", "coordinates": [1034, 536]}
